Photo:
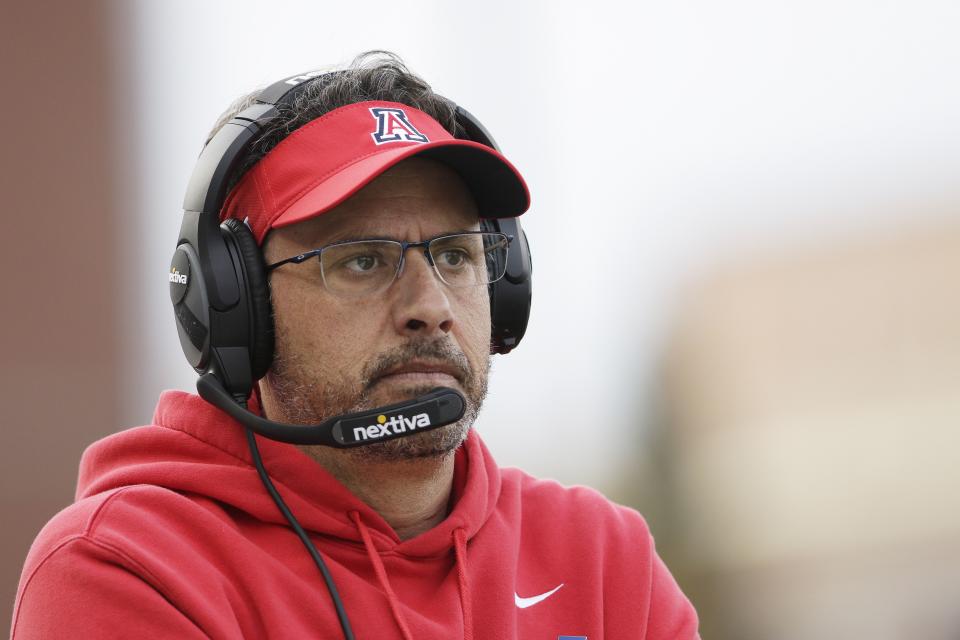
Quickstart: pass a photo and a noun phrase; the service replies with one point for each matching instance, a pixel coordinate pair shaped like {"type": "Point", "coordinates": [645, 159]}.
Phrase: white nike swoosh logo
{"type": "Point", "coordinates": [523, 603]}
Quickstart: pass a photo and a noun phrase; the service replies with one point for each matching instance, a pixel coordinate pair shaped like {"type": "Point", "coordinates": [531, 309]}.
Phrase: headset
{"type": "Point", "coordinates": [221, 301]}
{"type": "Point", "coordinates": [218, 282]}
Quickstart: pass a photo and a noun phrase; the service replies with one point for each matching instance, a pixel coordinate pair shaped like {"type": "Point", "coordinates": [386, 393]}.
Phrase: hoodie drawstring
{"type": "Point", "coordinates": [381, 575]}
{"type": "Point", "coordinates": [460, 553]}
{"type": "Point", "coordinates": [460, 549]}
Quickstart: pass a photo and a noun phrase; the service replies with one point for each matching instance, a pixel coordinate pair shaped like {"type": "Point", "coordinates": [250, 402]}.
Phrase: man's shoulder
{"type": "Point", "coordinates": [125, 524]}
{"type": "Point", "coordinates": [104, 559]}
{"type": "Point", "coordinates": [105, 517]}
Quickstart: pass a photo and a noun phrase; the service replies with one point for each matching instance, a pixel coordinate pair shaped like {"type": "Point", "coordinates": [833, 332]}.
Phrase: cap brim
{"type": "Point", "coordinates": [496, 186]}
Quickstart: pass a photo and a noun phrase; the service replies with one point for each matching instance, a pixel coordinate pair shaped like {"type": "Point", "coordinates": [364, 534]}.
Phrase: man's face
{"type": "Point", "coordinates": [337, 354]}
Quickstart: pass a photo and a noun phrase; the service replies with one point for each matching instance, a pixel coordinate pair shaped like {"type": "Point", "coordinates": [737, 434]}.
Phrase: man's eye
{"type": "Point", "coordinates": [453, 258]}
{"type": "Point", "coordinates": [362, 263]}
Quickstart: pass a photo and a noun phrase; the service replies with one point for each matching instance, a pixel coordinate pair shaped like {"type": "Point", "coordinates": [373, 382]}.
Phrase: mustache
{"type": "Point", "coordinates": [439, 350]}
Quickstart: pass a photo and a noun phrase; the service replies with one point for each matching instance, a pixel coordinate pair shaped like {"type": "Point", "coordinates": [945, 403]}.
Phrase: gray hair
{"type": "Point", "coordinates": [372, 75]}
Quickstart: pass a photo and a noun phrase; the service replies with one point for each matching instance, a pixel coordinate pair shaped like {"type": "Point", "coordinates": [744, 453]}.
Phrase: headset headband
{"type": "Point", "coordinates": [217, 163]}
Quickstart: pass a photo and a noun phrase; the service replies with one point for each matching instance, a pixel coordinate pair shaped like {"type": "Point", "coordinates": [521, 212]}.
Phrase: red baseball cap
{"type": "Point", "coordinates": [329, 159]}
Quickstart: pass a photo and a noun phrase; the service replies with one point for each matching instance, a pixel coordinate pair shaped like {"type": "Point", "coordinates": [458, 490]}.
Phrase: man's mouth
{"type": "Point", "coordinates": [422, 373]}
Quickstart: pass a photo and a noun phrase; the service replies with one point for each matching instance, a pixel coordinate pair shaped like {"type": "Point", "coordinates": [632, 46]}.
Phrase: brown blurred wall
{"type": "Point", "coordinates": [58, 341]}
{"type": "Point", "coordinates": [811, 402]}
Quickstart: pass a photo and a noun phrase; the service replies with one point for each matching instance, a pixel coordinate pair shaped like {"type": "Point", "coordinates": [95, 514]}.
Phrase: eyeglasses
{"type": "Point", "coordinates": [363, 267]}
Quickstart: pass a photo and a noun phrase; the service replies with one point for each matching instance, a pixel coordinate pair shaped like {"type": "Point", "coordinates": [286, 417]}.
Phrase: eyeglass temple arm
{"type": "Point", "coordinates": [295, 259]}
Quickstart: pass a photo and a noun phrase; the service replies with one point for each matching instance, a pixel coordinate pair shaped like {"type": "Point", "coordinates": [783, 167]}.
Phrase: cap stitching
{"type": "Point", "coordinates": [224, 212]}
{"type": "Point", "coordinates": [265, 177]}
{"type": "Point", "coordinates": [259, 191]}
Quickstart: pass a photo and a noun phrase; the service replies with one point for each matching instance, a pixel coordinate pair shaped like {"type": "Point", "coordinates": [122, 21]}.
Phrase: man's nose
{"type": "Point", "coordinates": [421, 305]}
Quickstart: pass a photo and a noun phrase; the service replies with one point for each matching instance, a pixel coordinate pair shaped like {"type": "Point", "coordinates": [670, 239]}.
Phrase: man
{"type": "Point", "coordinates": [368, 214]}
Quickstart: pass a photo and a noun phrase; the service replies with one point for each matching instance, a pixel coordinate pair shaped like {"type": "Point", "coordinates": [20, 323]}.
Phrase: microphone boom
{"type": "Point", "coordinates": [436, 408]}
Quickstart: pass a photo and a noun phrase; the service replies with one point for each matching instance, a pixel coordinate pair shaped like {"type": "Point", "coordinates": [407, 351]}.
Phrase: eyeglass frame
{"type": "Point", "coordinates": [404, 245]}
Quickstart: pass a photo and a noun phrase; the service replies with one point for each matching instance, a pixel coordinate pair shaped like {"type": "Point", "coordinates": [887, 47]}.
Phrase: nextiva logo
{"type": "Point", "coordinates": [393, 125]}
{"type": "Point", "coordinates": [396, 424]}
{"type": "Point", "coordinates": [176, 277]}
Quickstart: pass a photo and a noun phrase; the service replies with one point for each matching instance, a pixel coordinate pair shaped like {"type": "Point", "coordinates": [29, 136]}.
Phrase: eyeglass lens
{"type": "Point", "coordinates": [367, 266]}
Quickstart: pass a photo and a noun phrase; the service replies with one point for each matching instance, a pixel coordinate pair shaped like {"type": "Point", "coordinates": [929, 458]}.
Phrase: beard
{"type": "Point", "coordinates": [305, 399]}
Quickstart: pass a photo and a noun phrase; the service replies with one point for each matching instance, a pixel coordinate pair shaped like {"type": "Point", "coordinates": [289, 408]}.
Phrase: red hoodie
{"type": "Point", "coordinates": [173, 536]}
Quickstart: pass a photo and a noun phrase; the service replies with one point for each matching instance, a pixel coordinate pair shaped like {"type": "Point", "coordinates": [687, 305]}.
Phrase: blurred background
{"type": "Point", "coordinates": [746, 238]}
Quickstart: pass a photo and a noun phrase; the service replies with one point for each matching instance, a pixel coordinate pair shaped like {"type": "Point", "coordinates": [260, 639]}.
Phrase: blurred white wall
{"type": "Point", "coordinates": [656, 137]}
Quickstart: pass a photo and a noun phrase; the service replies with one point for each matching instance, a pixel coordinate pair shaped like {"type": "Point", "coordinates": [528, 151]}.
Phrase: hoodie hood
{"type": "Point", "coordinates": [194, 448]}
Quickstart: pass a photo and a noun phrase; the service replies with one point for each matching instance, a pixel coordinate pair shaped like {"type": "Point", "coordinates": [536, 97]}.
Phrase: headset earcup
{"type": "Point", "coordinates": [258, 292]}
{"type": "Point", "coordinates": [510, 296]}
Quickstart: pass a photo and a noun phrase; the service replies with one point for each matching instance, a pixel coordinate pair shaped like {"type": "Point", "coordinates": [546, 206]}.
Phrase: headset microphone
{"type": "Point", "coordinates": [437, 408]}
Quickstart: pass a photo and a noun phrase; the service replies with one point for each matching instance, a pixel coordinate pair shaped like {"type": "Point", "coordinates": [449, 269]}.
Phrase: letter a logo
{"type": "Point", "coordinates": [394, 126]}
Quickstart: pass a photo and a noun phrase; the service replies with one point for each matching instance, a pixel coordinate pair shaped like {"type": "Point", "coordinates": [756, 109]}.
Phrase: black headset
{"type": "Point", "coordinates": [218, 280]}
